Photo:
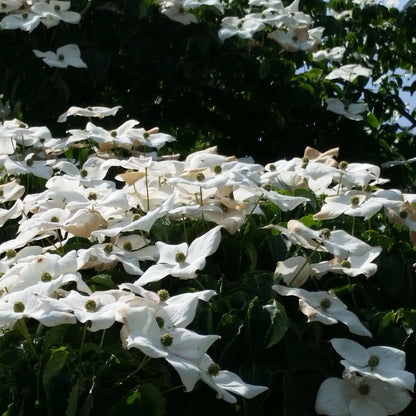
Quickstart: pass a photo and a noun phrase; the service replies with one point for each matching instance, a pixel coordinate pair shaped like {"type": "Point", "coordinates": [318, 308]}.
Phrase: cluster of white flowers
{"type": "Point", "coordinates": [27, 15]}
{"type": "Point", "coordinates": [374, 382]}
{"type": "Point", "coordinates": [117, 213]}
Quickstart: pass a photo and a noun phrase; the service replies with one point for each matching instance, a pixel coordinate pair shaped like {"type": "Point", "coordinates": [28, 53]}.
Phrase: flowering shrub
{"type": "Point", "coordinates": [114, 257]}
{"type": "Point", "coordinates": [134, 280]}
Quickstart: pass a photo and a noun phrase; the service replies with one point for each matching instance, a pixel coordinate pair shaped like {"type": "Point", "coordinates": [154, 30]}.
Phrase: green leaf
{"type": "Point", "coordinates": [372, 120]}
{"type": "Point", "coordinates": [279, 324]}
{"type": "Point", "coordinates": [104, 280]}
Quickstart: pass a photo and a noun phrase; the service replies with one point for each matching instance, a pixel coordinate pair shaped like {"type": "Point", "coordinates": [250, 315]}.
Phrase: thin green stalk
{"type": "Point", "coordinates": [22, 327]}
{"type": "Point", "coordinates": [84, 333]}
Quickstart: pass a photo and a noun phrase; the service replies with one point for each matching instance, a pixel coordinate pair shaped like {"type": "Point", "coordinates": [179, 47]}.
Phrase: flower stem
{"type": "Point", "coordinates": [22, 327]}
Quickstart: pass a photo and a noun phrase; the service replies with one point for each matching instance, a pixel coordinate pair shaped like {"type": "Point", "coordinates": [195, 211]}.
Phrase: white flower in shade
{"type": "Point", "coordinates": [324, 307]}
{"type": "Point", "coordinates": [68, 55]}
{"type": "Point", "coordinates": [224, 381]}
{"type": "Point", "coordinates": [380, 362]}
{"type": "Point", "coordinates": [26, 21]}
{"type": "Point", "coordinates": [360, 396]}
{"type": "Point", "coordinates": [350, 111]}
{"type": "Point", "coordinates": [244, 28]}
{"type": "Point", "coordinates": [181, 260]}
{"type": "Point", "coordinates": [294, 271]}
{"type": "Point", "coordinates": [298, 38]}
{"type": "Point", "coordinates": [174, 10]}
{"type": "Point", "coordinates": [55, 11]}
{"type": "Point", "coordinates": [349, 72]}
{"type": "Point", "coordinates": [335, 54]}
{"type": "Point", "coordinates": [99, 112]}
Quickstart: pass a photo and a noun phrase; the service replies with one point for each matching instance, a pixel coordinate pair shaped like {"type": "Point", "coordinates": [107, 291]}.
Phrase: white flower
{"type": "Point", "coordinates": [360, 396]}
{"type": "Point", "coordinates": [67, 55]}
{"type": "Point", "coordinates": [381, 362]}
{"type": "Point", "coordinates": [174, 10]}
{"type": "Point", "coordinates": [349, 72]}
{"type": "Point", "coordinates": [53, 12]}
{"type": "Point", "coordinates": [182, 260]}
{"type": "Point", "coordinates": [351, 111]}
{"type": "Point", "coordinates": [26, 21]}
{"type": "Point", "coordinates": [243, 28]}
{"type": "Point", "coordinates": [335, 54]}
{"type": "Point", "coordinates": [99, 112]}
{"type": "Point", "coordinates": [324, 307]}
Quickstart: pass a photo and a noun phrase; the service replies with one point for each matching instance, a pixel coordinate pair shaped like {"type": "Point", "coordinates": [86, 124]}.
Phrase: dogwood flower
{"type": "Point", "coordinates": [55, 11]}
{"type": "Point", "coordinates": [243, 28]}
{"type": "Point", "coordinates": [182, 260]}
{"type": "Point", "coordinates": [99, 112]}
{"type": "Point", "coordinates": [324, 307]}
{"type": "Point", "coordinates": [349, 72]}
{"type": "Point", "coordinates": [359, 396]}
{"type": "Point", "coordinates": [350, 111]}
{"type": "Point", "coordinates": [380, 362]}
{"type": "Point", "coordinates": [224, 381]}
{"type": "Point", "coordinates": [67, 55]}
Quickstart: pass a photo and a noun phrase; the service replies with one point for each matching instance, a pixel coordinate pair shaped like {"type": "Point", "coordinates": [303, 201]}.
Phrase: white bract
{"type": "Point", "coordinates": [67, 55]}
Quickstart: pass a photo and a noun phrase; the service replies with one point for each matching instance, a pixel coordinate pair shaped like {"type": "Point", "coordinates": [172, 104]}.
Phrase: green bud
{"type": "Point", "coordinates": [213, 369]}
{"type": "Point", "coordinates": [127, 246]}
{"type": "Point", "coordinates": [180, 257]}
{"type": "Point", "coordinates": [364, 389]}
{"type": "Point", "coordinates": [166, 340]}
{"type": "Point", "coordinates": [46, 277]}
{"type": "Point", "coordinates": [346, 264]}
{"type": "Point", "coordinates": [108, 248]}
{"type": "Point", "coordinates": [160, 321]}
{"type": "Point", "coordinates": [373, 361]}
{"type": "Point", "coordinates": [200, 177]}
{"type": "Point", "coordinates": [92, 196]}
{"type": "Point", "coordinates": [325, 303]}
{"type": "Point", "coordinates": [163, 295]}
{"type": "Point", "coordinates": [19, 307]}
{"type": "Point", "coordinates": [325, 233]}
{"type": "Point", "coordinates": [91, 305]}
{"type": "Point", "coordinates": [343, 165]}
{"type": "Point", "coordinates": [11, 253]}
{"type": "Point", "coordinates": [54, 218]}
{"type": "Point", "coordinates": [354, 200]}
{"type": "Point", "coordinates": [83, 173]}
{"type": "Point", "coordinates": [217, 169]}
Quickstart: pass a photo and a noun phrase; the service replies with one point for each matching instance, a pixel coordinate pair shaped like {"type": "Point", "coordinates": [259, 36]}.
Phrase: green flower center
{"type": "Point", "coordinates": [346, 264]}
{"type": "Point", "coordinates": [217, 169]}
{"type": "Point", "coordinates": [373, 361]}
{"type": "Point", "coordinates": [46, 277]}
{"type": "Point", "coordinates": [200, 177]}
{"type": "Point", "coordinates": [213, 369]}
{"type": "Point", "coordinates": [83, 173]}
{"type": "Point", "coordinates": [108, 248]}
{"type": "Point", "coordinates": [91, 305]}
{"type": "Point", "coordinates": [364, 389]}
{"type": "Point", "coordinates": [166, 340]}
{"type": "Point", "coordinates": [54, 218]}
{"type": "Point", "coordinates": [403, 214]}
{"type": "Point", "coordinates": [160, 321]}
{"type": "Point", "coordinates": [325, 303]}
{"type": "Point", "coordinates": [343, 165]}
{"type": "Point", "coordinates": [29, 162]}
{"type": "Point", "coordinates": [92, 196]}
{"type": "Point", "coordinates": [305, 162]}
{"type": "Point", "coordinates": [11, 253]}
{"type": "Point", "coordinates": [272, 167]}
{"type": "Point", "coordinates": [163, 295]}
{"type": "Point", "coordinates": [19, 307]}
{"type": "Point", "coordinates": [180, 257]}
{"type": "Point", "coordinates": [127, 246]}
{"type": "Point", "coordinates": [355, 200]}
{"type": "Point", "coordinates": [146, 135]}
{"type": "Point", "coordinates": [61, 57]}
